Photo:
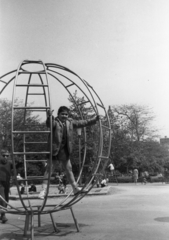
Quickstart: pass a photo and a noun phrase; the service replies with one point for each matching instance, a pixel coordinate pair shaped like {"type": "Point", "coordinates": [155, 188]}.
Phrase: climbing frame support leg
{"type": "Point", "coordinates": [32, 226]}
{"type": "Point", "coordinates": [54, 224]}
{"type": "Point", "coordinates": [29, 225]}
{"type": "Point", "coordinates": [75, 220]}
{"type": "Point", "coordinates": [26, 227]}
{"type": "Point", "coordinates": [39, 218]}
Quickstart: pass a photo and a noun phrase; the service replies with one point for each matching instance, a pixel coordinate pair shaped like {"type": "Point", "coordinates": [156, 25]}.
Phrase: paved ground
{"type": "Point", "coordinates": [128, 211]}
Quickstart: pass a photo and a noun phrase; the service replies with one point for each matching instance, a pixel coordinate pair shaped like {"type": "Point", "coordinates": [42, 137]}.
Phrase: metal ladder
{"type": "Point", "coordinates": [29, 129]}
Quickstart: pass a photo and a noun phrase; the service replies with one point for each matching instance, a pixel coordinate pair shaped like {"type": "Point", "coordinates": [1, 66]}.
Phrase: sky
{"type": "Point", "coordinates": [121, 47]}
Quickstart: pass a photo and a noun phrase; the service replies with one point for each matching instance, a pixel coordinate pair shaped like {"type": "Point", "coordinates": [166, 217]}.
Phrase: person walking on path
{"type": "Point", "coordinates": [135, 175]}
{"type": "Point", "coordinates": [62, 144]}
{"type": "Point", "coordinates": [143, 178]}
{"type": "Point", "coordinates": [5, 176]}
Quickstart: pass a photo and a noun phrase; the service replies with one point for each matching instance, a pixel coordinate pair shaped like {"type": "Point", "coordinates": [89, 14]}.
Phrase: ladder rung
{"type": "Point", "coordinates": [30, 178]}
{"type": "Point", "coordinates": [35, 125]}
{"type": "Point", "coordinates": [29, 108]}
{"type": "Point", "coordinates": [82, 103]}
{"type": "Point", "coordinates": [3, 81]}
{"type": "Point", "coordinates": [36, 160]}
{"type": "Point", "coordinates": [31, 61]}
{"type": "Point", "coordinates": [35, 142]}
{"type": "Point", "coordinates": [26, 72]}
{"type": "Point", "coordinates": [36, 110]}
{"type": "Point", "coordinates": [29, 132]}
{"type": "Point", "coordinates": [100, 105]}
{"type": "Point", "coordinates": [70, 85]}
{"type": "Point", "coordinates": [38, 177]}
{"type": "Point", "coordinates": [29, 153]}
{"type": "Point", "coordinates": [31, 85]}
{"type": "Point", "coordinates": [35, 94]}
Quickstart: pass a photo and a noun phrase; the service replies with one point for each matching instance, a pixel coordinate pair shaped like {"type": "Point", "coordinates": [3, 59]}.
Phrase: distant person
{"type": "Point", "coordinates": [19, 176]}
{"type": "Point", "coordinates": [64, 180]}
{"type": "Point", "coordinates": [56, 175]}
{"type": "Point", "coordinates": [161, 177]}
{"type": "Point", "coordinates": [166, 175]}
{"type": "Point", "coordinates": [61, 186]}
{"type": "Point", "coordinates": [135, 175]}
{"type": "Point", "coordinates": [5, 176]}
{"type": "Point", "coordinates": [62, 145]}
{"type": "Point", "coordinates": [146, 174]}
{"type": "Point", "coordinates": [143, 178]}
{"type": "Point", "coordinates": [103, 182]}
{"type": "Point", "coordinates": [111, 168]}
{"type": "Point", "coordinates": [32, 188]}
{"type": "Point", "coordinates": [22, 190]}
{"type": "Point", "coordinates": [98, 184]}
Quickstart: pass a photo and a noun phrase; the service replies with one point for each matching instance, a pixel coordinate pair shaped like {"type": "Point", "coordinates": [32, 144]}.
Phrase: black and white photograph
{"type": "Point", "coordinates": [84, 119]}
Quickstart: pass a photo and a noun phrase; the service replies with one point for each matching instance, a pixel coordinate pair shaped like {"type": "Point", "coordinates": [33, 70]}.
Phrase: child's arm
{"type": "Point", "coordinates": [85, 123]}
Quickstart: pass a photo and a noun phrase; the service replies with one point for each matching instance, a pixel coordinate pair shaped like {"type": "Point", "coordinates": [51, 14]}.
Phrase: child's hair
{"type": "Point", "coordinates": [62, 109]}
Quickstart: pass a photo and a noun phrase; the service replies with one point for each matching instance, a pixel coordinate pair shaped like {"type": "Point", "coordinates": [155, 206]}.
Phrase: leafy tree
{"type": "Point", "coordinates": [5, 123]}
{"type": "Point", "coordinates": [21, 122]}
{"type": "Point", "coordinates": [134, 143]}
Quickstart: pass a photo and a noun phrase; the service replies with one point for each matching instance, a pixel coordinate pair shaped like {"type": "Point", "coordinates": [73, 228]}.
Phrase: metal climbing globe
{"type": "Point", "coordinates": [40, 86]}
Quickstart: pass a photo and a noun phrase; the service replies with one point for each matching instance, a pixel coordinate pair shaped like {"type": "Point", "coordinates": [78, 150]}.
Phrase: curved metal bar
{"type": "Point", "coordinates": [73, 83]}
{"type": "Point", "coordinates": [108, 119]}
{"type": "Point", "coordinates": [12, 140]}
{"type": "Point", "coordinates": [7, 84]}
{"type": "Point", "coordinates": [8, 73]}
{"type": "Point", "coordinates": [50, 69]}
{"type": "Point", "coordinates": [24, 147]}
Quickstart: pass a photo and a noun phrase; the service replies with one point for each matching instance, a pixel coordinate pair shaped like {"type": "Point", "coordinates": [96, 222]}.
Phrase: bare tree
{"type": "Point", "coordinates": [136, 120]}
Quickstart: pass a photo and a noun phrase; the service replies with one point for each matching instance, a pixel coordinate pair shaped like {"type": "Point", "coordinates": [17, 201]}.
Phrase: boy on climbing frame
{"type": "Point", "coordinates": [62, 145]}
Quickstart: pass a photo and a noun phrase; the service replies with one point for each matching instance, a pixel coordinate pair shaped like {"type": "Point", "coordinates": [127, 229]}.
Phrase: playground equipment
{"type": "Point", "coordinates": [33, 81]}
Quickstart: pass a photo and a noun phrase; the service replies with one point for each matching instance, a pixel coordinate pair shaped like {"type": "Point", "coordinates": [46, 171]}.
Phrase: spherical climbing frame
{"type": "Point", "coordinates": [34, 77]}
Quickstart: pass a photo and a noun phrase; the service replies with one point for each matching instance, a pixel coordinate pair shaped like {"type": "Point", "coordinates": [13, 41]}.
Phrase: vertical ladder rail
{"type": "Point", "coordinates": [12, 136]}
{"type": "Point", "coordinates": [25, 108]}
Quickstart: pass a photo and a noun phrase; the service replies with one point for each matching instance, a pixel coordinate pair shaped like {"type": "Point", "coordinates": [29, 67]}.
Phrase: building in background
{"type": "Point", "coordinates": [165, 142]}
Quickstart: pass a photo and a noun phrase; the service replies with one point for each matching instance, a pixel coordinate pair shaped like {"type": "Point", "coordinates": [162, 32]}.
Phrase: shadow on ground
{"type": "Point", "coordinates": [39, 232]}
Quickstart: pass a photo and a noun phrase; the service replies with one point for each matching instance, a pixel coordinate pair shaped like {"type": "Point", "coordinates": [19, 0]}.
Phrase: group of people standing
{"type": "Point", "coordinates": [144, 176]}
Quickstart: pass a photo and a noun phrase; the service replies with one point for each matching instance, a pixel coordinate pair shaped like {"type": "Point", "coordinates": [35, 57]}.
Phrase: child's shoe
{"type": "Point", "coordinates": [79, 190]}
{"type": "Point", "coordinates": [42, 194]}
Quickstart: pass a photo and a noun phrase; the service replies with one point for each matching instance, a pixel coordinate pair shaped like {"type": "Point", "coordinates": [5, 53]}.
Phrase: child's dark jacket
{"type": "Point", "coordinates": [70, 125]}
